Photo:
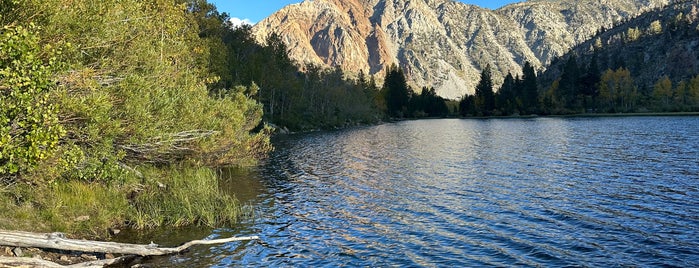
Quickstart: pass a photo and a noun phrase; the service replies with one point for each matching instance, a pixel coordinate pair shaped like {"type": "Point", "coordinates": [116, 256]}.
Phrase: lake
{"type": "Point", "coordinates": [596, 192]}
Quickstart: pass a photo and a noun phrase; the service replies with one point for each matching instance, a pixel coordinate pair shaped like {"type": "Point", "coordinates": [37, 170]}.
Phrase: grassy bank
{"type": "Point", "coordinates": [162, 197]}
{"type": "Point", "coordinates": [85, 93]}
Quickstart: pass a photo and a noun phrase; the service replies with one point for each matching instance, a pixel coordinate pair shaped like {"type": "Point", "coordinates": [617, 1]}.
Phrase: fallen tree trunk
{"type": "Point", "coordinates": [58, 241]}
{"type": "Point", "coordinates": [32, 262]}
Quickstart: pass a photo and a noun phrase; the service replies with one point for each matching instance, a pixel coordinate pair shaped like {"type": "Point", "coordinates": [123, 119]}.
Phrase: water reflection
{"type": "Point", "coordinates": [454, 193]}
{"type": "Point", "coordinates": [243, 183]}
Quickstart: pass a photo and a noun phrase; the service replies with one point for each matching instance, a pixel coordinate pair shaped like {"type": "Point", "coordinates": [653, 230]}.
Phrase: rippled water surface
{"type": "Point", "coordinates": [452, 193]}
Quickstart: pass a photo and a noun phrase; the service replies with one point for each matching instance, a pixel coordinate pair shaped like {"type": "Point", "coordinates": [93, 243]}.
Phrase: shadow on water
{"type": "Point", "coordinates": [243, 183]}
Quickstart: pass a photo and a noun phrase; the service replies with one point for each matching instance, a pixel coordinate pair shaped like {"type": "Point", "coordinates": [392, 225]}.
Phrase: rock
{"type": "Point", "coordinates": [64, 258]}
{"type": "Point", "coordinates": [440, 43]}
{"type": "Point", "coordinates": [17, 252]}
{"type": "Point", "coordinates": [114, 231]}
{"type": "Point", "coordinates": [88, 257]}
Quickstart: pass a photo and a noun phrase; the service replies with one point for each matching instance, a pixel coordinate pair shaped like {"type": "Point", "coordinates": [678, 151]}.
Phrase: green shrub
{"type": "Point", "coordinates": [86, 129]}
{"type": "Point", "coordinates": [29, 127]}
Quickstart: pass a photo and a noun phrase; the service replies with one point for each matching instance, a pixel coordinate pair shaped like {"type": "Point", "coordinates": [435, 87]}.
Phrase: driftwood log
{"type": "Point", "coordinates": [59, 242]}
{"type": "Point", "coordinates": [31, 262]}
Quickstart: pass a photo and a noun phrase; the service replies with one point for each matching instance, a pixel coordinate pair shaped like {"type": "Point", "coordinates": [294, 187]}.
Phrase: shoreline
{"type": "Point", "coordinates": [629, 114]}
{"type": "Point", "coordinates": [582, 115]}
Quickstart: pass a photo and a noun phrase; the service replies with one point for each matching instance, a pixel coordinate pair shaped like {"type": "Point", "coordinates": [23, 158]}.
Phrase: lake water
{"type": "Point", "coordinates": [596, 192]}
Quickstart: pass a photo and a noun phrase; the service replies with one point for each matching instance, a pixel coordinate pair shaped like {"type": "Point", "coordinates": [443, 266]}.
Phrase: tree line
{"type": "Point", "coordinates": [102, 102]}
{"type": "Point", "coordinates": [579, 89]}
{"type": "Point", "coordinates": [398, 100]}
{"type": "Point", "coordinates": [298, 97]}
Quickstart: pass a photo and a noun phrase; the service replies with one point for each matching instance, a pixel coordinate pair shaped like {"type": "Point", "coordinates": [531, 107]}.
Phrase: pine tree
{"type": "Point", "coordinates": [396, 92]}
{"type": "Point", "coordinates": [506, 98]}
{"type": "Point", "coordinates": [590, 82]}
{"type": "Point", "coordinates": [467, 105]}
{"type": "Point", "coordinates": [568, 88]}
{"type": "Point", "coordinates": [530, 91]}
{"type": "Point", "coordinates": [485, 97]}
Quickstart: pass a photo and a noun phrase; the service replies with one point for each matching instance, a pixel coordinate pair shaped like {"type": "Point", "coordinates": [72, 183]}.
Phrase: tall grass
{"type": "Point", "coordinates": [73, 207]}
{"type": "Point", "coordinates": [165, 197]}
{"type": "Point", "coordinates": [189, 196]}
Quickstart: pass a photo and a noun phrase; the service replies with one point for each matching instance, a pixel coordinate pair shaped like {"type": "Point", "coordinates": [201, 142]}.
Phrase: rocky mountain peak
{"type": "Point", "coordinates": [440, 43]}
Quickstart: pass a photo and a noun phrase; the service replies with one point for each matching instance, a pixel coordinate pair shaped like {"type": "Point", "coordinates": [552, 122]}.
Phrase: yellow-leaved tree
{"type": "Point", "coordinates": [618, 91]}
{"type": "Point", "coordinates": [662, 91]}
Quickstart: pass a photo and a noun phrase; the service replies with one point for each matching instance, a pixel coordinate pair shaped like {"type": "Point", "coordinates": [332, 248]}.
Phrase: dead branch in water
{"type": "Point", "coordinates": [59, 242]}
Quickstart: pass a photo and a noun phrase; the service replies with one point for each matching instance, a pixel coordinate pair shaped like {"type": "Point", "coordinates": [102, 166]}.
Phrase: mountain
{"type": "Point", "coordinates": [441, 43]}
{"type": "Point", "coordinates": [659, 43]}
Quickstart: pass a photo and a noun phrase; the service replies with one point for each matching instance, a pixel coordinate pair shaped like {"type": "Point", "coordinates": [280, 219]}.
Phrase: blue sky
{"type": "Point", "coordinates": [256, 10]}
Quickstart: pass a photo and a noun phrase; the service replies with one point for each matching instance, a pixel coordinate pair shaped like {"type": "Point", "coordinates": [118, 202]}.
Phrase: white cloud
{"type": "Point", "coordinates": [238, 22]}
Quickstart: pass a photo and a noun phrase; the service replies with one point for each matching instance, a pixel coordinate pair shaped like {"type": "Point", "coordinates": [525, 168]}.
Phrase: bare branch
{"type": "Point", "coordinates": [58, 241]}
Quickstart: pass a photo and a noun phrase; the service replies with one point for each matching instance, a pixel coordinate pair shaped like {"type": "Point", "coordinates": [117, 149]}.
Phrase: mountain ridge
{"type": "Point", "coordinates": [440, 43]}
{"type": "Point", "coordinates": [649, 54]}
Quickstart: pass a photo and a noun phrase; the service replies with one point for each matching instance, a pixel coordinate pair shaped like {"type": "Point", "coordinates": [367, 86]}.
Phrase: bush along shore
{"type": "Point", "coordinates": [109, 117]}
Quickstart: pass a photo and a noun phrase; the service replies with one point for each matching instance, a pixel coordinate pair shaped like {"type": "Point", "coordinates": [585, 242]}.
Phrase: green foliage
{"type": "Point", "coordinates": [662, 91]}
{"type": "Point", "coordinates": [568, 88]}
{"type": "Point", "coordinates": [682, 97]}
{"type": "Point", "coordinates": [516, 95]}
{"type": "Point", "coordinates": [135, 98]}
{"type": "Point", "coordinates": [589, 84]}
{"type": "Point", "coordinates": [300, 100]}
{"type": "Point", "coordinates": [654, 44]}
{"type": "Point", "coordinates": [77, 207]}
{"type": "Point", "coordinates": [693, 91]}
{"type": "Point", "coordinates": [29, 127]}
{"type": "Point", "coordinates": [618, 92]}
{"type": "Point", "coordinates": [505, 99]}
{"type": "Point", "coordinates": [172, 196]}
{"type": "Point", "coordinates": [73, 207]}
{"type": "Point", "coordinates": [134, 84]}
{"type": "Point", "coordinates": [529, 90]}
{"type": "Point", "coordinates": [467, 105]}
{"type": "Point", "coordinates": [396, 92]}
{"type": "Point", "coordinates": [183, 197]}
{"type": "Point", "coordinates": [575, 90]}
{"type": "Point", "coordinates": [428, 104]}
{"type": "Point", "coordinates": [485, 97]}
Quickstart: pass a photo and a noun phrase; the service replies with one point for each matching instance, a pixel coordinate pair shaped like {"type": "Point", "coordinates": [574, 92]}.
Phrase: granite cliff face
{"type": "Point", "coordinates": [440, 43]}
